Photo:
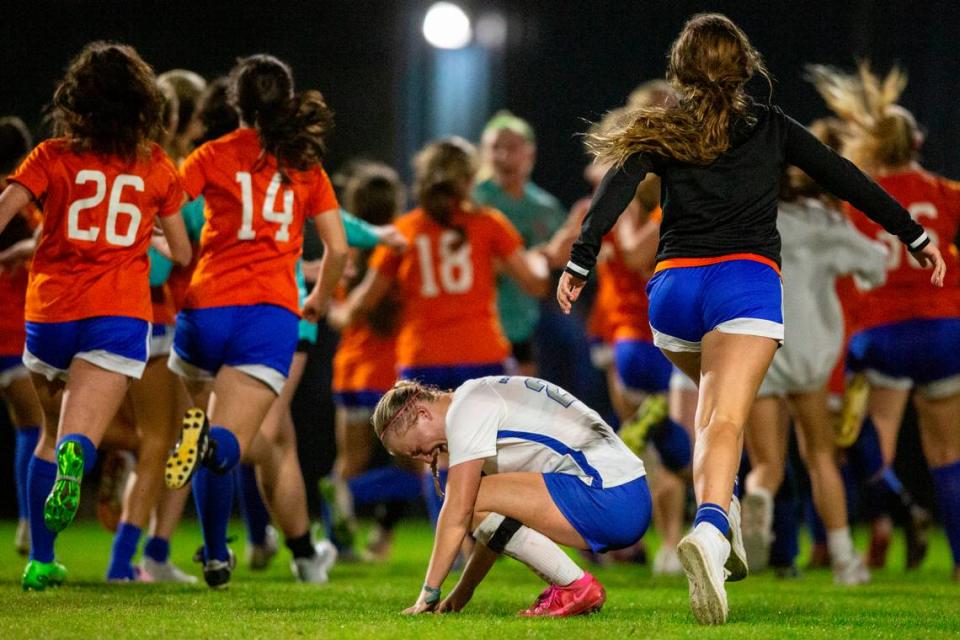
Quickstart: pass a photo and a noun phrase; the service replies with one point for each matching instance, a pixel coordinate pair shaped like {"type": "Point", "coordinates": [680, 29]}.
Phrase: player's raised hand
{"type": "Point", "coordinates": [568, 290]}
{"type": "Point", "coordinates": [929, 258]}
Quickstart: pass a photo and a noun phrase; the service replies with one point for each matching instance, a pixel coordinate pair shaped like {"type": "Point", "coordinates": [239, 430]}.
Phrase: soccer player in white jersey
{"type": "Point", "coordinates": [530, 468]}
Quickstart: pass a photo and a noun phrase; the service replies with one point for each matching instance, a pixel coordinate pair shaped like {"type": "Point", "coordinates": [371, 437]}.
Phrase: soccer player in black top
{"type": "Point", "coordinates": [716, 298]}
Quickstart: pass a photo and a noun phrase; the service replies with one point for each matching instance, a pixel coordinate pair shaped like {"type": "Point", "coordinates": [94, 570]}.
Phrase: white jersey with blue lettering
{"type": "Point", "coordinates": [515, 423]}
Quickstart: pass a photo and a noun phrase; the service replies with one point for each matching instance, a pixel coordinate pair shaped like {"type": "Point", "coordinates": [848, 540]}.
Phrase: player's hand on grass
{"type": "Point", "coordinates": [569, 290]}
{"type": "Point", "coordinates": [454, 602]}
{"type": "Point", "coordinates": [929, 258]}
{"type": "Point", "coordinates": [420, 606]}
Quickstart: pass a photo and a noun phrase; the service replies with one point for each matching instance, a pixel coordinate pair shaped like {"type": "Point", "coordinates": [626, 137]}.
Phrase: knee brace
{"type": "Point", "coordinates": [495, 531]}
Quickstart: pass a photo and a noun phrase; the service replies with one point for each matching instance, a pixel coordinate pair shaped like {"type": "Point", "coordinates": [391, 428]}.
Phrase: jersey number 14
{"type": "Point", "coordinates": [284, 217]}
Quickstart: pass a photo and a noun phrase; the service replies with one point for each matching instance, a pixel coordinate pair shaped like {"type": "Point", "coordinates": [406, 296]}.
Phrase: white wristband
{"type": "Point", "coordinates": [578, 269]}
{"type": "Point", "coordinates": [919, 241]}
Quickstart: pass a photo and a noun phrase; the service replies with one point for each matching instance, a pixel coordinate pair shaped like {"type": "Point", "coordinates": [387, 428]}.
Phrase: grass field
{"type": "Point", "coordinates": [363, 601]}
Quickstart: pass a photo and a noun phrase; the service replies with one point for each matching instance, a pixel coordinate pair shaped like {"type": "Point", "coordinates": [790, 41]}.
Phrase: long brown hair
{"type": "Point", "coordinates": [292, 127]}
{"type": "Point", "coordinates": [444, 172]}
{"type": "Point", "coordinates": [879, 132]}
{"type": "Point", "coordinates": [108, 102]}
{"type": "Point", "coordinates": [709, 64]}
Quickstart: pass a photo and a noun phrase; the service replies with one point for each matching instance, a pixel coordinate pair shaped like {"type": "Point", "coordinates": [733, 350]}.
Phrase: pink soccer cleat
{"type": "Point", "coordinates": [585, 595]}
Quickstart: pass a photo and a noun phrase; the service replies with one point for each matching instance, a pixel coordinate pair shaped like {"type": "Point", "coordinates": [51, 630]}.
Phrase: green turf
{"type": "Point", "coordinates": [363, 601]}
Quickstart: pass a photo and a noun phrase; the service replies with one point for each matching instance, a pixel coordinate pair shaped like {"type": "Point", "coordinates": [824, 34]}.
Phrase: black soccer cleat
{"type": "Point", "coordinates": [216, 573]}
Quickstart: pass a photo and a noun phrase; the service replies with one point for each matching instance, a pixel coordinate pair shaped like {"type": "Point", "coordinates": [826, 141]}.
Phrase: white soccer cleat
{"type": "Point", "coordinates": [260, 555]}
{"type": "Point", "coordinates": [757, 529]}
{"type": "Point", "coordinates": [315, 570]}
{"type": "Point", "coordinates": [736, 563]}
{"type": "Point", "coordinates": [703, 553]}
{"type": "Point", "coordinates": [153, 571]}
{"type": "Point", "coordinates": [666, 562]}
{"type": "Point", "coordinates": [850, 572]}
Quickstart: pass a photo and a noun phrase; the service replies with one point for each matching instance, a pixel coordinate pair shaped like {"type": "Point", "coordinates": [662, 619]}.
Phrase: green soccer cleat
{"type": "Point", "coordinates": [636, 430]}
{"type": "Point", "coordinates": [64, 499]}
{"type": "Point", "coordinates": [37, 575]}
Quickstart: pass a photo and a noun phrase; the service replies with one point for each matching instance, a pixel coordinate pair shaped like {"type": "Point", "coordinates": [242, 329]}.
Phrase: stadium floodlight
{"type": "Point", "coordinates": [446, 26]}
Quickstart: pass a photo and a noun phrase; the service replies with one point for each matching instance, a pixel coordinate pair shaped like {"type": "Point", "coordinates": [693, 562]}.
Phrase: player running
{"type": "Point", "coordinates": [239, 325]}
{"type": "Point", "coordinates": [17, 244]}
{"type": "Point", "coordinates": [531, 468]}
{"type": "Point", "coordinates": [103, 184]}
{"type": "Point", "coordinates": [716, 297]}
{"type": "Point", "coordinates": [907, 336]}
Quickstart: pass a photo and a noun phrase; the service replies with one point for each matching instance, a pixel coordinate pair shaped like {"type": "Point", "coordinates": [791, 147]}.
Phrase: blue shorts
{"type": "Point", "coordinates": [606, 519]}
{"type": "Point", "coordinates": [453, 376]}
{"type": "Point", "coordinates": [258, 339]}
{"type": "Point", "coordinates": [641, 367]}
{"type": "Point", "coordinates": [737, 296]}
{"type": "Point", "coordinates": [916, 352]}
{"type": "Point", "coordinates": [114, 343]}
{"type": "Point", "coordinates": [11, 368]}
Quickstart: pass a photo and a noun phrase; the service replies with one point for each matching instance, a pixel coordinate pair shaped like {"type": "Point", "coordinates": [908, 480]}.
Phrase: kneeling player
{"type": "Point", "coordinates": [530, 467]}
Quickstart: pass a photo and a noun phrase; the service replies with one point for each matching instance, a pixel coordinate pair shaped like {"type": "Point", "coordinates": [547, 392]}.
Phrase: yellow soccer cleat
{"type": "Point", "coordinates": [192, 449]}
{"type": "Point", "coordinates": [855, 397]}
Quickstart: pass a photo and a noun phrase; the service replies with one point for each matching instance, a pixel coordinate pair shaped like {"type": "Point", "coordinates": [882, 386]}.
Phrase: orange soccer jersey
{"type": "Point", "coordinates": [253, 233]}
{"type": "Point", "coordinates": [13, 283]}
{"type": "Point", "coordinates": [448, 287]}
{"type": "Point", "coordinates": [365, 360]}
{"type": "Point", "coordinates": [599, 324]}
{"type": "Point", "coordinates": [98, 214]}
{"type": "Point", "coordinates": [934, 202]}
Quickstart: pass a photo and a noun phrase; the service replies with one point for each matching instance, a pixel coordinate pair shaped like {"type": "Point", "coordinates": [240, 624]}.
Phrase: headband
{"type": "Point", "coordinates": [406, 405]}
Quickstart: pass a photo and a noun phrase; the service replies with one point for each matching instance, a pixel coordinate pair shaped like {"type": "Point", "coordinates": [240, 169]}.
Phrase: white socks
{"type": "Point", "coordinates": [542, 554]}
{"type": "Point", "coordinates": [840, 544]}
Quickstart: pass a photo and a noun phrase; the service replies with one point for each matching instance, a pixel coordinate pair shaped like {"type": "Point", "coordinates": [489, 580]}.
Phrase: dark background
{"type": "Point", "coordinates": [563, 63]}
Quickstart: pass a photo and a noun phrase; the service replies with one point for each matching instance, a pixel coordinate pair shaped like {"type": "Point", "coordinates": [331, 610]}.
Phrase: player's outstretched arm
{"type": "Point", "coordinates": [456, 516]}
{"type": "Point", "coordinates": [530, 270]}
{"type": "Point", "coordinates": [13, 198]}
{"type": "Point", "coordinates": [364, 297]}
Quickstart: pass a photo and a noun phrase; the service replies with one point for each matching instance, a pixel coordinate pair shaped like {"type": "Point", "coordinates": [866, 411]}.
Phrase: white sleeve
{"type": "Point", "coordinates": [857, 254]}
{"type": "Point", "coordinates": [473, 419]}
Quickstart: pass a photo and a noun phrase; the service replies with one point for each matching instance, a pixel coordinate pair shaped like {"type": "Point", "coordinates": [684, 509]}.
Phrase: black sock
{"type": "Point", "coordinates": [302, 546]}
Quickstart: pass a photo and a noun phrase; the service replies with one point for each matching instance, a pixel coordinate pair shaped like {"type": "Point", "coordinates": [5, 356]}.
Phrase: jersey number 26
{"type": "Point", "coordinates": [115, 209]}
